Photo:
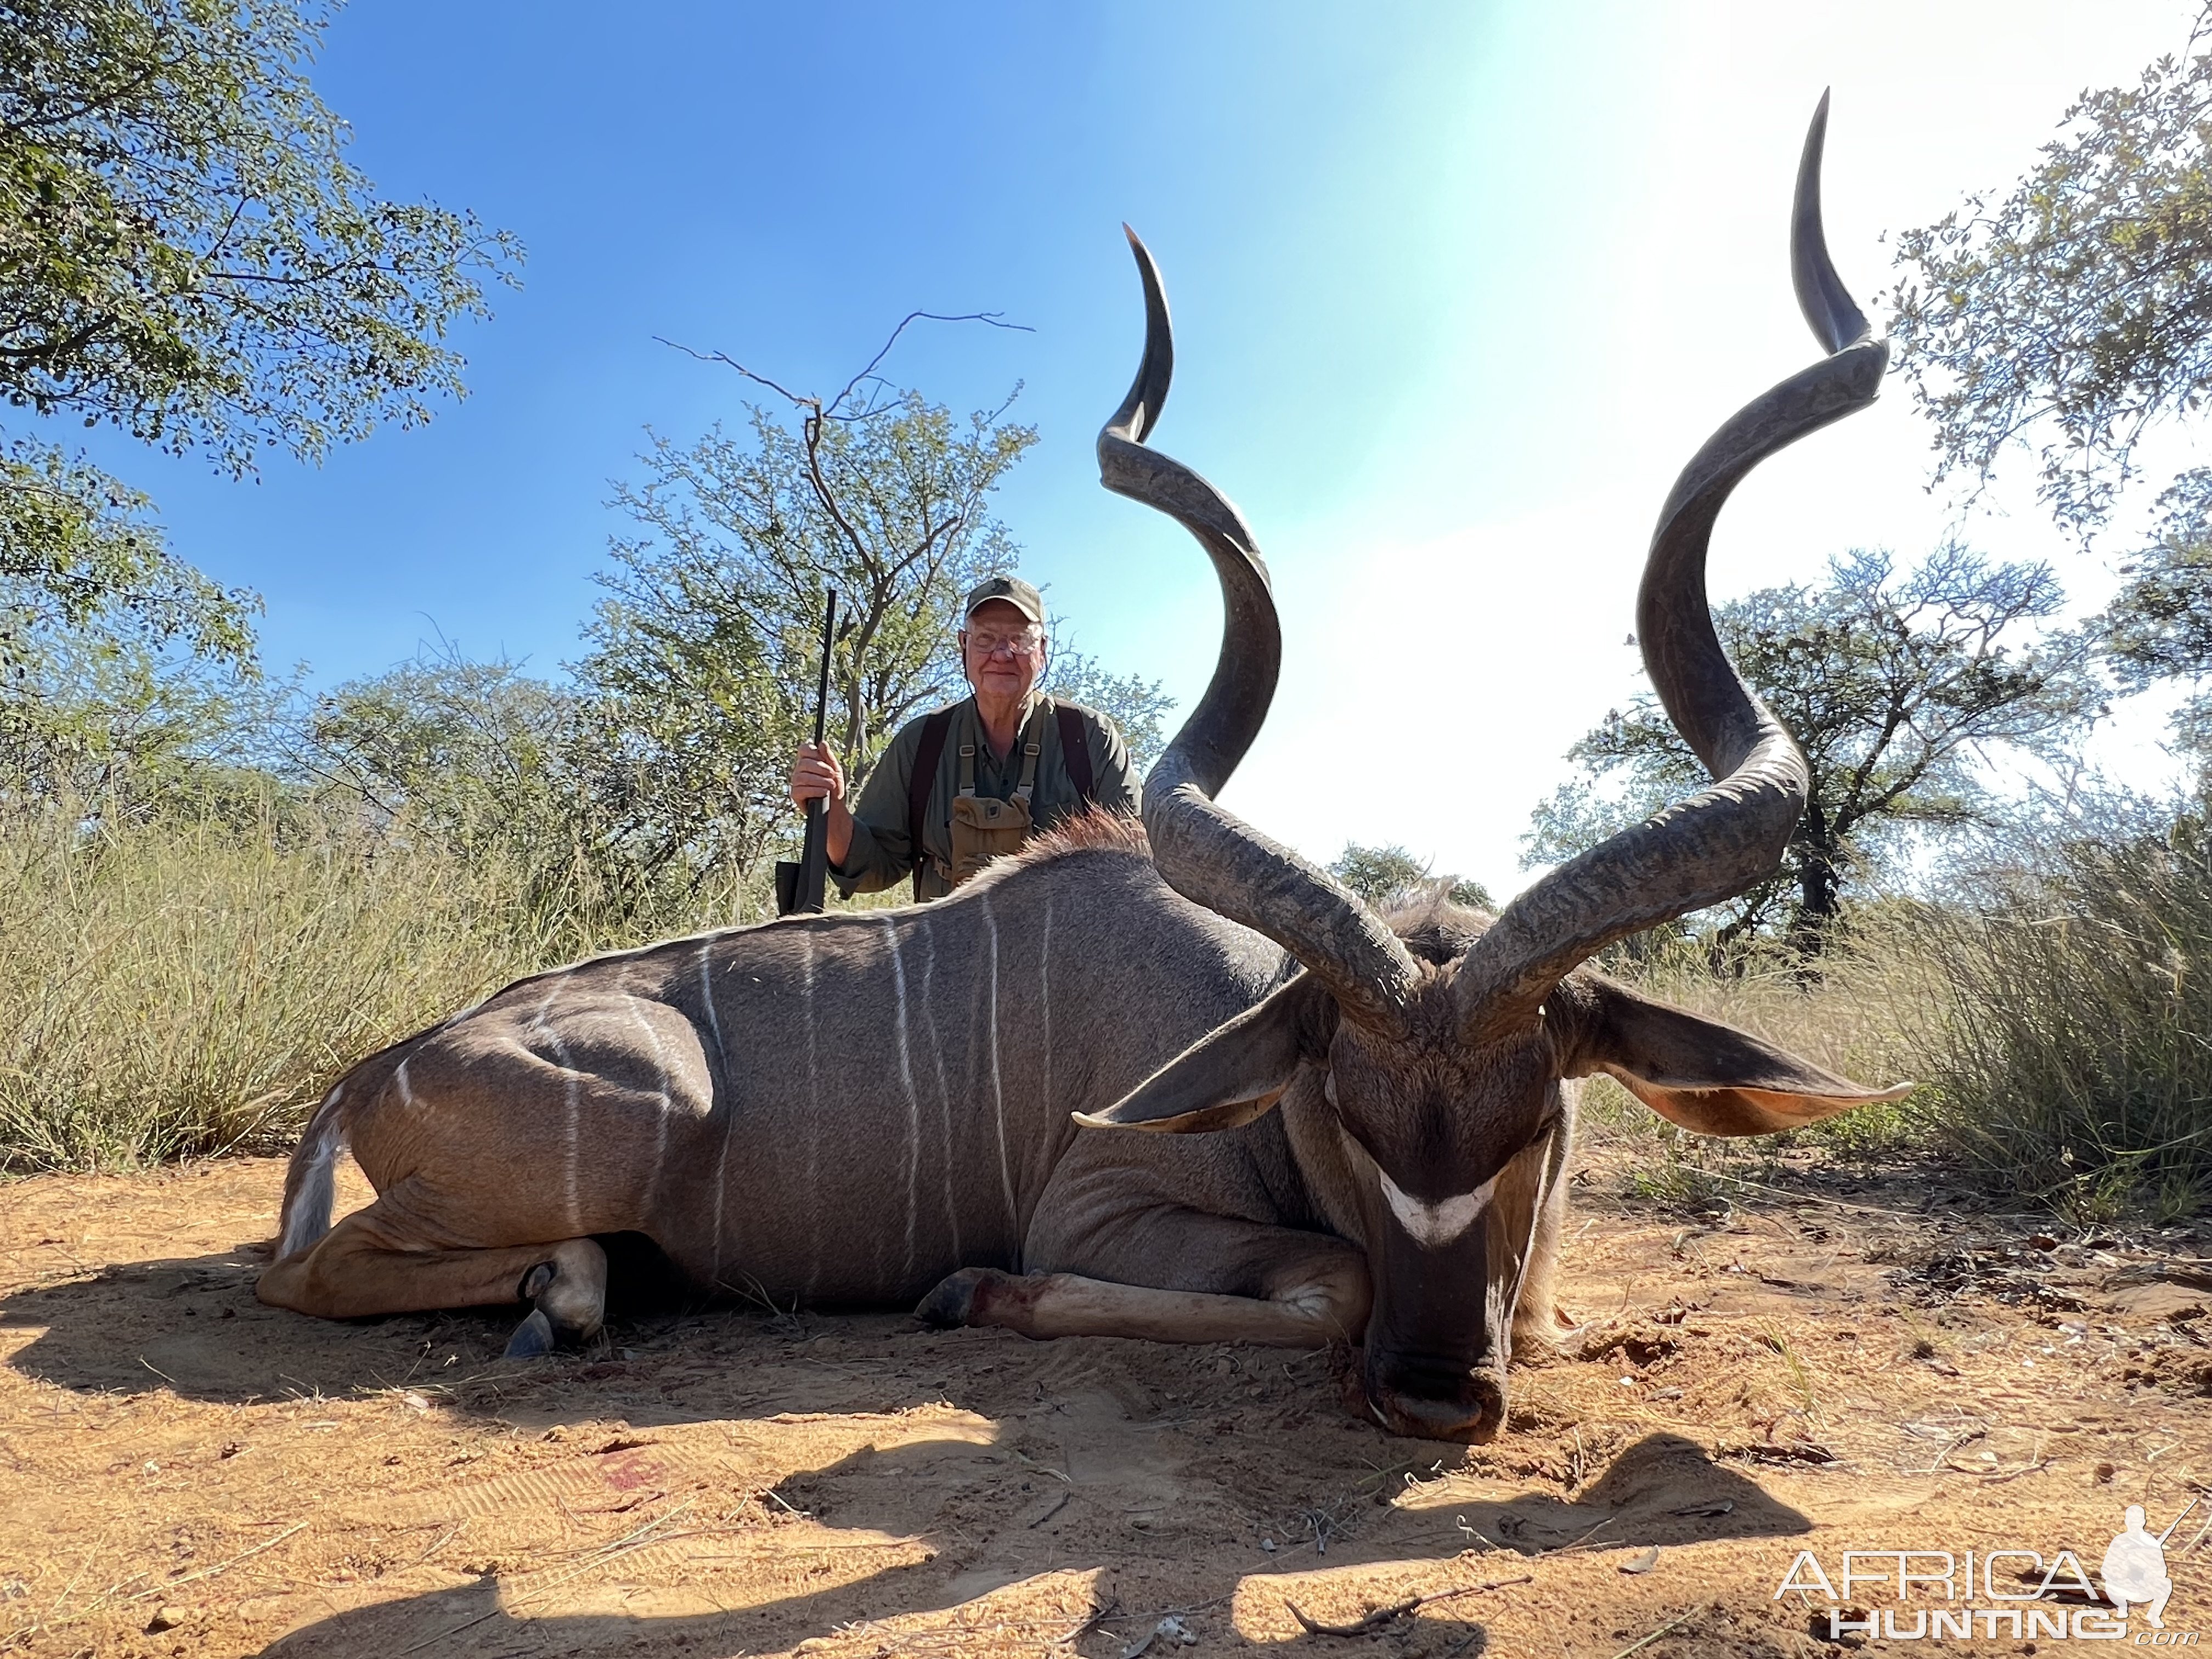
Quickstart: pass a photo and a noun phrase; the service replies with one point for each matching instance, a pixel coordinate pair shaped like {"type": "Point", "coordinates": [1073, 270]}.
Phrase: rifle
{"type": "Point", "coordinates": [2177, 1521]}
{"type": "Point", "coordinates": [800, 887]}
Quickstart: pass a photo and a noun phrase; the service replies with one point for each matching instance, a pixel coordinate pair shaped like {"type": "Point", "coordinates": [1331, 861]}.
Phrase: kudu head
{"type": "Point", "coordinates": [1437, 1063]}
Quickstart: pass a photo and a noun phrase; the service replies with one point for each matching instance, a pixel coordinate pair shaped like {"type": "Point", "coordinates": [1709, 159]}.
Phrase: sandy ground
{"type": "Point", "coordinates": [1833, 1363]}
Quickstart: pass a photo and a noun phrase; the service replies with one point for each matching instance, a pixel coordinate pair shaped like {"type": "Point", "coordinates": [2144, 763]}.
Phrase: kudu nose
{"type": "Point", "coordinates": [1472, 1409]}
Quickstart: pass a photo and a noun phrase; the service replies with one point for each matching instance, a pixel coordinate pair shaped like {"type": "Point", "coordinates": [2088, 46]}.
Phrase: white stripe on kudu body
{"type": "Point", "coordinates": [1435, 1225]}
{"type": "Point", "coordinates": [570, 1093]}
{"type": "Point", "coordinates": [905, 1082]}
{"type": "Point", "coordinates": [943, 1089]}
{"type": "Point", "coordinates": [706, 996]}
{"type": "Point", "coordinates": [813, 1205]}
{"type": "Point", "coordinates": [1044, 1007]}
{"type": "Point", "coordinates": [998, 1094]}
{"type": "Point", "coordinates": [660, 1086]}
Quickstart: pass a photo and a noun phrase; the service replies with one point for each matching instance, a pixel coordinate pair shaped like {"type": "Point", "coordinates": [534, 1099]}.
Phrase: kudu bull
{"type": "Point", "coordinates": [1365, 1126]}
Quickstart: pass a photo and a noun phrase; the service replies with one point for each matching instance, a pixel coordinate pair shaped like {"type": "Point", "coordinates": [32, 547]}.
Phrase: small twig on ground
{"type": "Point", "coordinates": [1041, 1469]}
{"type": "Point", "coordinates": [1053, 1511]}
{"type": "Point", "coordinates": [451, 1533]}
{"type": "Point", "coordinates": [222, 1566]}
{"type": "Point", "coordinates": [1100, 1613]}
{"type": "Point", "coordinates": [1488, 1543]}
{"type": "Point", "coordinates": [1382, 1616]}
{"type": "Point", "coordinates": [1566, 1548]}
{"type": "Point", "coordinates": [1646, 1641]}
{"type": "Point", "coordinates": [636, 1540]}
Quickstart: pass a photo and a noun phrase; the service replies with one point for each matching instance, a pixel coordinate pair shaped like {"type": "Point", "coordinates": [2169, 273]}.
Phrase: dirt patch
{"type": "Point", "coordinates": [183, 1472]}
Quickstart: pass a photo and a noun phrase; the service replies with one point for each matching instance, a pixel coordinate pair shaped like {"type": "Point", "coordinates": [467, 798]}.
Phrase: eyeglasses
{"type": "Point", "coordinates": [985, 643]}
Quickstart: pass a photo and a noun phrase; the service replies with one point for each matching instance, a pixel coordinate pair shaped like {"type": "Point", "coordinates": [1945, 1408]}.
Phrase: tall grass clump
{"type": "Point", "coordinates": [1835, 1012]}
{"type": "Point", "coordinates": [191, 982]}
{"type": "Point", "coordinates": [2061, 1010]}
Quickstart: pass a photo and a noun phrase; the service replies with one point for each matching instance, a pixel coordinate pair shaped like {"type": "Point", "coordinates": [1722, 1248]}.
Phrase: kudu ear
{"type": "Point", "coordinates": [1707, 1076]}
{"type": "Point", "coordinates": [1234, 1075]}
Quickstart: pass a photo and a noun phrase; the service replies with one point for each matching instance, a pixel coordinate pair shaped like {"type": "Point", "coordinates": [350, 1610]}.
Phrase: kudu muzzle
{"type": "Point", "coordinates": [1435, 1357]}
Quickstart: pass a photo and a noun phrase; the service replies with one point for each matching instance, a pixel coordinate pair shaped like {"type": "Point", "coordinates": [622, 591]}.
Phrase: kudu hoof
{"type": "Point", "coordinates": [533, 1337]}
{"type": "Point", "coordinates": [953, 1302]}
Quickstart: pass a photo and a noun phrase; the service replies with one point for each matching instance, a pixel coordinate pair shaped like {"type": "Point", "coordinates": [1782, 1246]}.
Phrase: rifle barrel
{"type": "Point", "coordinates": [2178, 1520]}
{"type": "Point", "coordinates": [822, 688]}
{"type": "Point", "coordinates": [810, 880]}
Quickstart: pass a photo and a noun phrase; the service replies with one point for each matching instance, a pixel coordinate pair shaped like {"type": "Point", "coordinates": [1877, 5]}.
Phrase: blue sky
{"type": "Point", "coordinates": [1458, 287]}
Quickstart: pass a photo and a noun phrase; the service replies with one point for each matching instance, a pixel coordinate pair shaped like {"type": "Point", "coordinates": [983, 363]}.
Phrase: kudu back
{"type": "Point", "coordinates": [1358, 1126]}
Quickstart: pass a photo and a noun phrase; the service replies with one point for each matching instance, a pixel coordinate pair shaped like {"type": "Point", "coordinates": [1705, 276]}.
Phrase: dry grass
{"type": "Point", "coordinates": [190, 986]}
{"type": "Point", "coordinates": [2057, 1016]}
{"type": "Point", "coordinates": [190, 983]}
{"type": "Point", "coordinates": [1844, 1020]}
{"type": "Point", "coordinates": [2063, 1016]}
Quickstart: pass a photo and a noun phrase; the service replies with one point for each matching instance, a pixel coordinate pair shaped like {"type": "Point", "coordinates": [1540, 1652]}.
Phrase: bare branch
{"type": "Point", "coordinates": [829, 411]}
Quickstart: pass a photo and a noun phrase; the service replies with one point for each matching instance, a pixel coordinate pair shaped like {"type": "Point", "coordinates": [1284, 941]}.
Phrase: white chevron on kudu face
{"type": "Point", "coordinates": [1432, 1226]}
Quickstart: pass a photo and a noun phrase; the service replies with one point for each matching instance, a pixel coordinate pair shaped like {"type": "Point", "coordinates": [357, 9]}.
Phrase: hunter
{"type": "Point", "coordinates": [960, 787]}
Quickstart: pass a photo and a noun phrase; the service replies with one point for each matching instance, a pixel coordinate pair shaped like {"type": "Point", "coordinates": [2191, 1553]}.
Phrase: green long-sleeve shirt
{"type": "Point", "coordinates": [882, 854]}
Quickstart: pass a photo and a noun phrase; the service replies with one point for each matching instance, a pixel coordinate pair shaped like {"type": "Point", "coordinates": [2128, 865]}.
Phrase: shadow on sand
{"type": "Point", "coordinates": [1663, 1490]}
{"type": "Point", "coordinates": [191, 1326]}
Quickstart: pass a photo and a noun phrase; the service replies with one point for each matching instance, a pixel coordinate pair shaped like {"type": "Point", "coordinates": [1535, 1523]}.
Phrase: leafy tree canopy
{"type": "Point", "coordinates": [2075, 311]}
{"type": "Point", "coordinates": [1382, 874]}
{"type": "Point", "coordinates": [186, 254]}
{"type": "Point", "coordinates": [109, 717]}
{"type": "Point", "coordinates": [1896, 685]}
{"type": "Point", "coordinates": [2159, 625]}
{"type": "Point", "coordinates": [704, 652]}
{"type": "Point", "coordinates": [1135, 704]}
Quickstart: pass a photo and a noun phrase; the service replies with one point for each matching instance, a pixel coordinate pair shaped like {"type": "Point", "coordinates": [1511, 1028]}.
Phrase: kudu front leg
{"type": "Point", "coordinates": [1226, 1281]}
{"type": "Point", "coordinates": [1045, 1305]}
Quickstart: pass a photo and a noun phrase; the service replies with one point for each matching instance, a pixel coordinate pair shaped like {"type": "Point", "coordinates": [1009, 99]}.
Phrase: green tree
{"type": "Point", "coordinates": [1382, 875]}
{"type": "Point", "coordinates": [186, 255]}
{"type": "Point", "coordinates": [2159, 625]}
{"type": "Point", "coordinates": [503, 768]}
{"type": "Point", "coordinates": [1897, 687]}
{"type": "Point", "coordinates": [108, 717]}
{"type": "Point", "coordinates": [2074, 313]}
{"type": "Point", "coordinates": [1135, 704]}
{"type": "Point", "coordinates": [703, 654]}
{"type": "Point", "coordinates": [464, 750]}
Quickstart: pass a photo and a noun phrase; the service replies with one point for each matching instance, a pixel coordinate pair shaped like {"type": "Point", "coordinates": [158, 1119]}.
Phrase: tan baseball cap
{"type": "Point", "coordinates": [1013, 590]}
